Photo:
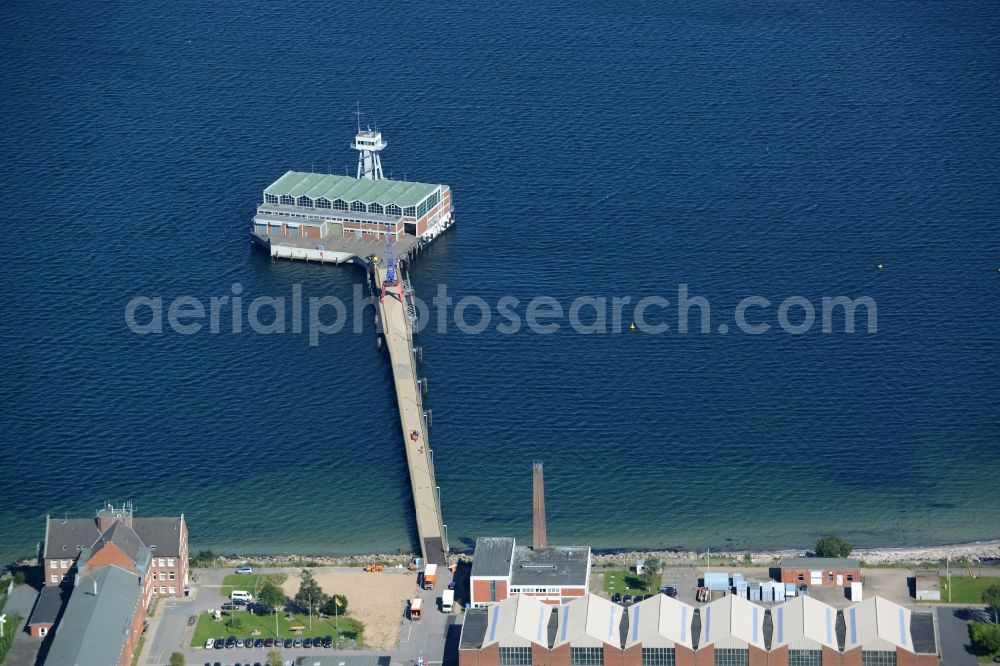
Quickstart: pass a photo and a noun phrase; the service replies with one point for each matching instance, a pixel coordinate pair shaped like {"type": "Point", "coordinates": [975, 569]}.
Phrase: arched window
{"type": "Point", "coordinates": [287, 200]}
{"type": "Point", "coordinates": [270, 198]}
{"type": "Point", "coordinates": [375, 208]}
{"type": "Point", "coordinates": [357, 207]}
{"type": "Point", "coordinates": [322, 202]}
{"type": "Point", "coordinates": [304, 201]}
{"type": "Point", "coordinates": [393, 209]}
{"type": "Point", "coordinates": [340, 204]}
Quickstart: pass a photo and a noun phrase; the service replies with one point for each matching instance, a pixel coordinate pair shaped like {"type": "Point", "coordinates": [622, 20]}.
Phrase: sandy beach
{"type": "Point", "coordinates": [377, 600]}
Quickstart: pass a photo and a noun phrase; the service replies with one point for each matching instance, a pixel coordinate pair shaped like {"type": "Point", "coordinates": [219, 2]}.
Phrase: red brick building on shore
{"type": "Point", "coordinates": [166, 538]}
{"type": "Point", "coordinates": [824, 571]}
{"type": "Point", "coordinates": [98, 589]}
{"type": "Point", "coordinates": [553, 574]}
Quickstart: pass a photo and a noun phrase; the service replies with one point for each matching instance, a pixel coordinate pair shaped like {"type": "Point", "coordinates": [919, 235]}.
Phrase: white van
{"type": "Point", "coordinates": [240, 596]}
{"type": "Point", "coordinates": [447, 600]}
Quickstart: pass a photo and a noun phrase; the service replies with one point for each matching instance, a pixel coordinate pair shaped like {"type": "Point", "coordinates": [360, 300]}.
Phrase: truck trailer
{"type": "Point", "coordinates": [430, 576]}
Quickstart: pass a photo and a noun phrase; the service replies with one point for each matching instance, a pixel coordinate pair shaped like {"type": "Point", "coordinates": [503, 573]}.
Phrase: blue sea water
{"type": "Point", "coordinates": [594, 148]}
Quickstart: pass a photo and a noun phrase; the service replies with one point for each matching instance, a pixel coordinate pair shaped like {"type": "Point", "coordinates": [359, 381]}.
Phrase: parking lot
{"type": "Point", "coordinates": [379, 597]}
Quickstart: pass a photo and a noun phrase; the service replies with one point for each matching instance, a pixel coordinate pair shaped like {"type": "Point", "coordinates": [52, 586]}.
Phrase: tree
{"type": "Point", "coordinates": [203, 558]}
{"type": "Point", "coordinates": [336, 604]}
{"type": "Point", "coordinates": [833, 546]}
{"type": "Point", "coordinates": [274, 658]}
{"type": "Point", "coordinates": [176, 659]}
{"type": "Point", "coordinates": [985, 638]}
{"type": "Point", "coordinates": [652, 572]}
{"type": "Point", "coordinates": [310, 594]}
{"type": "Point", "coordinates": [271, 595]}
{"type": "Point", "coordinates": [991, 597]}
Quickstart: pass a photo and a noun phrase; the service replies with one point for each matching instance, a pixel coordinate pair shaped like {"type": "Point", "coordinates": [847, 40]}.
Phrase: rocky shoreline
{"type": "Point", "coordinates": [977, 552]}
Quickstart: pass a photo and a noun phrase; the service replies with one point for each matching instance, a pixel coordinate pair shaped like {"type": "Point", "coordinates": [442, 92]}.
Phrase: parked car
{"type": "Point", "coordinates": [219, 644]}
{"type": "Point", "coordinates": [328, 641]}
{"type": "Point", "coordinates": [268, 642]}
{"type": "Point", "coordinates": [297, 643]}
{"type": "Point", "coordinates": [259, 643]}
{"type": "Point", "coordinates": [451, 585]}
{"type": "Point", "coordinates": [245, 570]}
{"type": "Point", "coordinates": [616, 597]}
{"type": "Point", "coordinates": [669, 590]}
{"type": "Point", "coordinates": [288, 643]}
{"type": "Point", "coordinates": [307, 643]}
{"type": "Point", "coordinates": [627, 599]}
{"type": "Point", "coordinates": [231, 642]}
{"type": "Point", "coordinates": [239, 642]}
{"type": "Point", "coordinates": [210, 643]}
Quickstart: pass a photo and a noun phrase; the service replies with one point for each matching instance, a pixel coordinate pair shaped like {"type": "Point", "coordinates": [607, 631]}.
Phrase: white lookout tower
{"type": "Point", "coordinates": [368, 143]}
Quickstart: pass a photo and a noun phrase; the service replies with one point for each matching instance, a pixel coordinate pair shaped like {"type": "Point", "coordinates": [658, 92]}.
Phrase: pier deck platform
{"type": "Point", "coordinates": [399, 340]}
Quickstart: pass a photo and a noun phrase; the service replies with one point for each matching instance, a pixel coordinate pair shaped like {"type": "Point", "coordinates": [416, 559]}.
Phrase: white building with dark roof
{"type": "Point", "coordinates": [553, 575]}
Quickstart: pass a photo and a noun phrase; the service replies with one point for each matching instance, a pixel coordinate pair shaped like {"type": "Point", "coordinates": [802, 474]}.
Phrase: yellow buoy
{"type": "Point", "coordinates": [631, 326]}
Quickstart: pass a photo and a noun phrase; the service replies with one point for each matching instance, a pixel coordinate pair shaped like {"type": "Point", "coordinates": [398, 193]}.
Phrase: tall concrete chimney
{"type": "Point", "coordinates": [539, 541]}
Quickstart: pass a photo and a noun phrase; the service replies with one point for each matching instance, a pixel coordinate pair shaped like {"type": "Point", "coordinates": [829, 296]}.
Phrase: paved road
{"type": "Point", "coordinates": [953, 627]}
{"type": "Point", "coordinates": [25, 648]}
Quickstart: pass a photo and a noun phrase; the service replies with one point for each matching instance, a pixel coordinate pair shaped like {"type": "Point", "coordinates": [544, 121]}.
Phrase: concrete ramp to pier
{"type": "Point", "coordinates": [398, 333]}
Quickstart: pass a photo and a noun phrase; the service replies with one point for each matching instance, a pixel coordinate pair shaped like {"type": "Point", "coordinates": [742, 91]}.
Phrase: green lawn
{"type": "Point", "coordinates": [138, 650]}
{"type": "Point", "coordinates": [249, 582]}
{"type": "Point", "coordinates": [966, 590]}
{"type": "Point", "coordinates": [624, 582]}
{"type": "Point", "coordinates": [9, 631]}
{"type": "Point", "coordinates": [208, 627]}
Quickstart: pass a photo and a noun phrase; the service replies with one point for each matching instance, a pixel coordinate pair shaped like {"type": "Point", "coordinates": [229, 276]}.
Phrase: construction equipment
{"type": "Point", "coordinates": [391, 279]}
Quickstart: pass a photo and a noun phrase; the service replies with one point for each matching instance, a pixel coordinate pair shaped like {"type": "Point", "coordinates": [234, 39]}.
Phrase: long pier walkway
{"type": "Point", "coordinates": [426, 499]}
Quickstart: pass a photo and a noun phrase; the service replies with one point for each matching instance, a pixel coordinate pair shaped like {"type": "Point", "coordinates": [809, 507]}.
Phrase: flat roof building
{"type": "Point", "coordinates": [839, 571]}
{"type": "Point", "coordinates": [501, 568]}
{"type": "Point", "coordinates": [927, 585]}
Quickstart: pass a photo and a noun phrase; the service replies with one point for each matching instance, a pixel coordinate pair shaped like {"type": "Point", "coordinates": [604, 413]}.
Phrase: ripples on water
{"type": "Point", "coordinates": [599, 149]}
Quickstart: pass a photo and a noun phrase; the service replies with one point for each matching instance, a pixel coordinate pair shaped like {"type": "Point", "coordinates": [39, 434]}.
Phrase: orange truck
{"type": "Point", "coordinates": [430, 576]}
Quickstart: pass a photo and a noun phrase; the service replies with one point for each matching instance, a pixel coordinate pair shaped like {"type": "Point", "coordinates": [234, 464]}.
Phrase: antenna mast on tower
{"type": "Point", "coordinates": [368, 143]}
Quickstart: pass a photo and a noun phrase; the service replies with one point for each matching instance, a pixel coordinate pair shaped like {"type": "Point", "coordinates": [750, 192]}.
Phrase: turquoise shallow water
{"type": "Point", "coordinates": [593, 149]}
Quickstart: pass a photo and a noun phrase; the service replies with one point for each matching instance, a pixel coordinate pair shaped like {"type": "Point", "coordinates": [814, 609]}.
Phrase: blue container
{"type": "Point", "coordinates": [717, 582]}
